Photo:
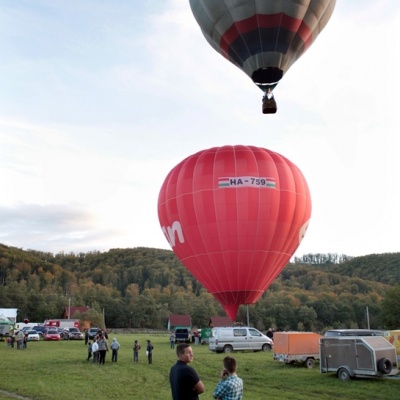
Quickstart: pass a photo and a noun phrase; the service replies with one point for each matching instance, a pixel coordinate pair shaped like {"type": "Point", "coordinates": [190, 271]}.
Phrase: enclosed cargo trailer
{"type": "Point", "coordinates": [358, 356]}
{"type": "Point", "coordinates": [291, 347]}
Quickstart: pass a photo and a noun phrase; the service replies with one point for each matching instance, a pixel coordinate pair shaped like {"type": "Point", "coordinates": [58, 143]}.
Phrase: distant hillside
{"type": "Point", "coordinates": [383, 268]}
{"type": "Point", "coordinates": [140, 287]}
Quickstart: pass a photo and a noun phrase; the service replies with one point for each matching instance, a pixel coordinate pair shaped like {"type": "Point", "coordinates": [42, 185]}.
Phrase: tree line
{"type": "Point", "coordinates": [140, 287]}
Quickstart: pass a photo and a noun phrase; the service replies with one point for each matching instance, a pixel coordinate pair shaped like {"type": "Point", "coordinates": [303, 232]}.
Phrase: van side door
{"type": "Point", "coordinates": [255, 339]}
{"type": "Point", "coordinates": [240, 339]}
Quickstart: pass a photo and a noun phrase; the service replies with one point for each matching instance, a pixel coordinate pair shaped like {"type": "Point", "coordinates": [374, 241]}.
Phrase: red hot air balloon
{"type": "Point", "coordinates": [234, 215]}
{"type": "Point", "coordinates": [263, 38]}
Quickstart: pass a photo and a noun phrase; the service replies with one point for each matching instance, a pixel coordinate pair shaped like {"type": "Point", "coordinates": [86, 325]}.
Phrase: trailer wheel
{"type": "Point", "coordinates": [385, 366]}
{"type": "Point", "coordinates": [343, 374]}
{"type": "Point", "coordinates": [310, 362]}
{"type": "Point", "coordinates": [228, 349]}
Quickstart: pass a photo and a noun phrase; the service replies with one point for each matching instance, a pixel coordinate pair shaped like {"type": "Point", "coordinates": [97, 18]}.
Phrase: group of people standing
{"type": "Point", "coordinates": [21, 338]}
{"type": "Point", "coordinates": [99, 348]}
{"type": "Point", "coordinates": [149, 351]}
{"type": "Point", "coordinates": [184, 380]}
{"type": "Point", "coordinates": [186, 384]}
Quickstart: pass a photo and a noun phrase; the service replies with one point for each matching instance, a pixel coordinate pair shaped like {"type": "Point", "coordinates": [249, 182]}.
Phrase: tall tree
{"type": "Point", "coordinates": [391, 308]}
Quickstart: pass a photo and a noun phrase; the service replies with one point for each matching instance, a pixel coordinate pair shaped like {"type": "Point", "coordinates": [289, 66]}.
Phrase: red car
{"type": "Point", "coordinates": [51, 334]}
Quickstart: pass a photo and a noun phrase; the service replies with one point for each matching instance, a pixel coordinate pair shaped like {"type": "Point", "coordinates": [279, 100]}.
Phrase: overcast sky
{"type": "Point", "coordinates": [99, 100]}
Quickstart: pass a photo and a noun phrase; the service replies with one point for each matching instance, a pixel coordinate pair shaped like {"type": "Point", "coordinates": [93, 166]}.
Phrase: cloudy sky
{"type": "Point", "coordinates": [99, 100]}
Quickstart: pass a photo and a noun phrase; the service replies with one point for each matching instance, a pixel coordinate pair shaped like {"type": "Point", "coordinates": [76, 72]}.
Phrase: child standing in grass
{"type": "Point", "coordinates": [136, 348]}
{"type": "Point", "coordinates": [95, 351]}
{"type": "Point", "coordinates": [114, 347]}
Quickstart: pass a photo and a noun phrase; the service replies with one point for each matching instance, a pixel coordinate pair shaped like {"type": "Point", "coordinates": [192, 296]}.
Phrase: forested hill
{"type": "Point", "coordinates": [163, 268]}
{"type": "Point", "coordinates": [384, 268]}
{"type": "Point", "coordinates": [166, 268]}
{"type": "Point", "coordinates": [151, 283]}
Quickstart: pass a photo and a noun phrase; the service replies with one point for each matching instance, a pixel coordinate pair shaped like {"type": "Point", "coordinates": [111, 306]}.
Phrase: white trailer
{"type": "Point", "coordinates": [62, 323]}
{"type": "Point", "coordinates": [22, 325]}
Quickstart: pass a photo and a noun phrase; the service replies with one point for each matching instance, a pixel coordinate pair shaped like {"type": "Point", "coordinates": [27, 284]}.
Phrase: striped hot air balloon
{"type": "Point", "coordinates": [263, 38]}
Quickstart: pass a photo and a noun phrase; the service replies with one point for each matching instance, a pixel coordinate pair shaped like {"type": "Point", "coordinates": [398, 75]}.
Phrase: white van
{"type": "Point", "coordinates": [238, 338]}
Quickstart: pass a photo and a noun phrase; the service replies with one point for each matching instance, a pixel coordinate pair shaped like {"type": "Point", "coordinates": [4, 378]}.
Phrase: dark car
{"type": "Point", "coordinates": [182, 335]}
{"type": "Point", "coordinates": [92, 332]}
{"type": "Point", "coordinates": [40, 329]}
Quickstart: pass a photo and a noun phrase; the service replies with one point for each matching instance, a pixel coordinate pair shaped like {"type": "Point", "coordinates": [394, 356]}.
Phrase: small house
{"type": "Point", "coordinates": [181, 321]}
{"type": "Point", "coordinates": [69, 312]}
{"type": "Point", "coordinates": [217, 321]}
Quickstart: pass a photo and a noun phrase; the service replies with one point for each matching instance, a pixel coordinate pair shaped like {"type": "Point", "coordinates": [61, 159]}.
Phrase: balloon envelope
{"type": "Point", "coordinates": [262, 37]}
{"type": "Point", "coordinates": [234, 215]}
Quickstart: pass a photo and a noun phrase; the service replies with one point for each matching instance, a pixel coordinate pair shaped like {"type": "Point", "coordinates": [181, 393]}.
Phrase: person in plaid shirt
{"type": "Point", "coordinates": [230, 387]}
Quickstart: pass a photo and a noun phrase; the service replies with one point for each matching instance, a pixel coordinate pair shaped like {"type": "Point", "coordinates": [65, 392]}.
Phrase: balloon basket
{"type": "Point", "coordinates": [269, 105]}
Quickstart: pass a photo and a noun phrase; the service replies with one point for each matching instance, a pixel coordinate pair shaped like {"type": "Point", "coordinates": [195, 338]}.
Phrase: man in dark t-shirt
{"type": "Point", "coordinates": [184, 381]}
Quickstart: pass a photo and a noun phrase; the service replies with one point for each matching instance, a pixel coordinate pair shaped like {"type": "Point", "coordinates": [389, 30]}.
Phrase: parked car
{"type": "Point", "coordinates": [32, 335]}
{"type": "Point", "coordinates": [182, 335]}
{"type": "Point", "coordinates": [52, 334]}
{"type": "Point", "coordinates": [238, 338]}
{"type": "Point", "coordinates": [63, 332]}
{"type": "Point", "coordinates": [74, 334]}
{"type": "Point", "coordinates": [40, 329]}
{"type": "Point", "coordinates": [92, 332]}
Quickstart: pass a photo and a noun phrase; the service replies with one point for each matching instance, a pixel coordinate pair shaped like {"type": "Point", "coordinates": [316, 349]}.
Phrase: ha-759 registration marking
{"type": "Point", "coordinates": [246, 181]}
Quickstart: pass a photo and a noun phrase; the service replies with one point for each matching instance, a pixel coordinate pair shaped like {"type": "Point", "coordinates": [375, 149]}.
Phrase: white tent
{"type": "Point", "coordinates": [4, 320]}
{"type": "Point", "coordinates": [10, 313]}
{"type": "Point", "coordinates": [5, 325]}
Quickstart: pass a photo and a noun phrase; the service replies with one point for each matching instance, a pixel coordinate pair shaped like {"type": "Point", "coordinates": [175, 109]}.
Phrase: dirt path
{"type": "Point", "coordinates": [13, 395]}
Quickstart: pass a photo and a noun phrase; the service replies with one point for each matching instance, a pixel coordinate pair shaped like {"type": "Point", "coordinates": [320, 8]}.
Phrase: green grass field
{"type": "Point", "coordinates": [59, 370]}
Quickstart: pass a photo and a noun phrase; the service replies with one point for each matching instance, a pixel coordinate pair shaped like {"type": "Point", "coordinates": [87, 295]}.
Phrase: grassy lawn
{"type": "Point", "coordinates": [59, 370]}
